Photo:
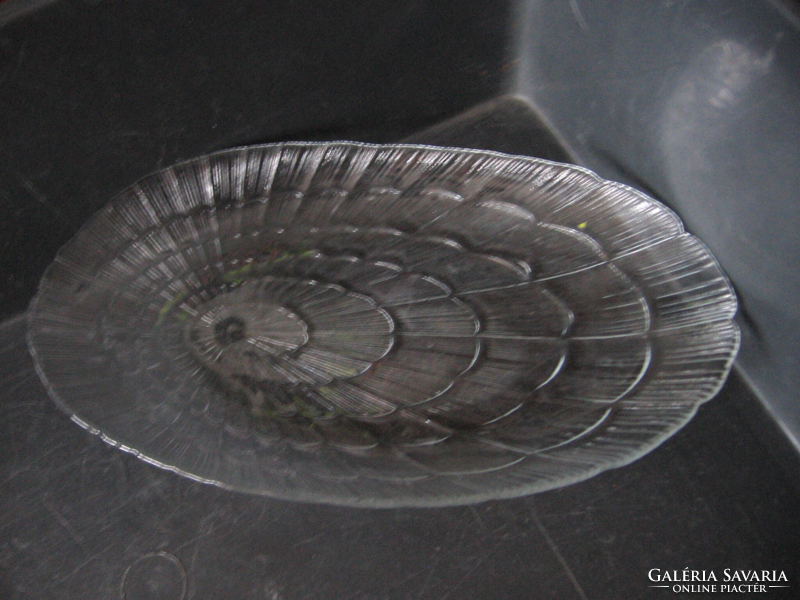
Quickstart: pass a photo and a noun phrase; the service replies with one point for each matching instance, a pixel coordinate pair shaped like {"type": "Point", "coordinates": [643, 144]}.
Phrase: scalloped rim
{"type": "Point", "coordinates": [411, 500]}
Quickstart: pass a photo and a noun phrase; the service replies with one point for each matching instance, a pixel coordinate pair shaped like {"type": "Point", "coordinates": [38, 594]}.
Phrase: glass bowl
{"type": "Point", "coordinates": [383, 325]}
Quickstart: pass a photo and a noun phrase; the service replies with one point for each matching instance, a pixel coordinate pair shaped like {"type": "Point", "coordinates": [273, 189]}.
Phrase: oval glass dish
{"type": "Point", "coordinates": [383, 325]}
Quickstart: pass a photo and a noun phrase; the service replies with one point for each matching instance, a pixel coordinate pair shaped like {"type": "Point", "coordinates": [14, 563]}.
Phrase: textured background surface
{"type": "Point", "coordinates": [78, 514]}
{"type": "Point", "coordinates": [697, 102]}
{"type": "Point", "coordinates": [94, 95]}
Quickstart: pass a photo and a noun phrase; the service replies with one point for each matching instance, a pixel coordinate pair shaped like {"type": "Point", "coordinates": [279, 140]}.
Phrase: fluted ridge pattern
{"type": "Point", "coordinates": [383, 325]}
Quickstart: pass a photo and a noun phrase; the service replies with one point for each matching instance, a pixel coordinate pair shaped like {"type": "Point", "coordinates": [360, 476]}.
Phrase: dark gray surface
{"type": "Point", "coordinates": [696, 102]}
{"type": "Point", "coordinates": [83, 520]}
{"type": "Point", "coordinates": [94, 95]}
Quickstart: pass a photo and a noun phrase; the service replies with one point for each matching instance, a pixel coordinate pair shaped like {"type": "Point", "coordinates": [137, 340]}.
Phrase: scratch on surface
{"type": "Point", "coordinates": [558, 554]}
{"type": "Point", "coordinates": [408, 578]}
{"type": "Point", "coordinates": [576, 10]}
{"type": "Point", "coordinates": [427, 581]}
{"type": "Point", "coordinates": [20, 58]}
{"type": "Point", "coordinates": [471, 571]}
{"type": "Point", "coordinates": [13, 475]}
{"type": "Point", "coordinates": [67, 576]}
{"type": "Point", "coordinates": [9, 388]}
{"type": "Point", "coordinates": [190, 571]}
{"type": "Point", "coordinates": [16, 375]}
{"type": "Point", "coordinates": [306, 541]}
{"type": "Point", "coordinates": [161, 156]}
{"type": "Point", "coordinates": [63, 521]}
{"type": "Point", "coordinates": [41, 198]}
{"type": "Point", "coordinates": [478, 518]}
{"type": "Point", "coordinates": [204, 532]}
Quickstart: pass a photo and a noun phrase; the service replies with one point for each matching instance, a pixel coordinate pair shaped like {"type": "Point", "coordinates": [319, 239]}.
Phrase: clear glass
{"type": "Point", "coordinates": [383, 325]}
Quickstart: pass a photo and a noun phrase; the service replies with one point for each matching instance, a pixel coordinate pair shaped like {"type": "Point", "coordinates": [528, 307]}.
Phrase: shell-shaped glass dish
{"type": "Point", "coordinates": [383, 325]}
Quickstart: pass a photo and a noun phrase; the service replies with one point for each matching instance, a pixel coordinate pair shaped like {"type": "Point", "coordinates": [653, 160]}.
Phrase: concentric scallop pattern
{"type": "Point", "coordinates": [383, 325]}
